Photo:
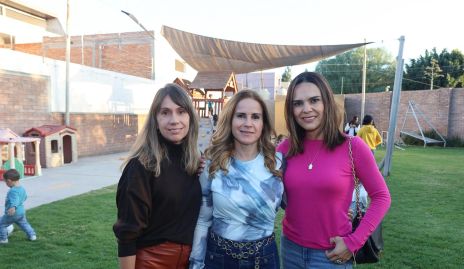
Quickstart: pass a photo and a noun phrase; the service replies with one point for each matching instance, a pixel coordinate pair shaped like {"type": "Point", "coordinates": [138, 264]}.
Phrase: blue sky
{"type": "Point", "coordinates": [424, 23]}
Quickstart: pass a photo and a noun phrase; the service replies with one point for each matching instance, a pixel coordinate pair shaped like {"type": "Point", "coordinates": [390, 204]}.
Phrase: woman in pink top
{"type": "Point", "coordinates": [319, 181]}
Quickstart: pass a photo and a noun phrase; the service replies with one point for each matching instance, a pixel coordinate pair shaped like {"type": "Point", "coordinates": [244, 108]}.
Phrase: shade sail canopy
{"type": "Point", "coordinates": [213, 54]}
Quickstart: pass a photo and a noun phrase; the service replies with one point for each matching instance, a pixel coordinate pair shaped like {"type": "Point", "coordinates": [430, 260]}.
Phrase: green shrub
{"type": "Point", "coordinates": [409, 140]}
{"type": "Point", "coordinates": [454, 141]}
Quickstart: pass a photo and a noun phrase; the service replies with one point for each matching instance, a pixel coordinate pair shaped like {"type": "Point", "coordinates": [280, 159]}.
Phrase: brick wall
{"type": "Point", "coordinates": [443, 108]}
{"type": "Point", "coordinates": [376, 104]}
{"type": "Point", "coordinates": [128, 53]}
{"type": "Point", "coordinates": [456, 119]}
{"type": "Point", "coordinates": [100, 134]}
{"type": "Point", "coordinates": [24, 104]}
{"type": "Point", "coordinates": [23, 101]}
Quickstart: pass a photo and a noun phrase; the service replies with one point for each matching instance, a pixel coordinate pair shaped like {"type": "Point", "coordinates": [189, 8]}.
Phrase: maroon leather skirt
{"type": "Point", "coordinates": [167, 255]}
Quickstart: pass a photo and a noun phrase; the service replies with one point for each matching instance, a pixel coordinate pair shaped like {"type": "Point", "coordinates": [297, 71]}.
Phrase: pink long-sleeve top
{"type": "Point", "coordinates": [318, 199]}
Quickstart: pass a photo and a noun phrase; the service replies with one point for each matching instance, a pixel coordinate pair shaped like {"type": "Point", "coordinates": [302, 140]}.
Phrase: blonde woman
{"type": "Point", "coordinates": [158, 196]}
{"type": "Point", "coordinates": [241, 189]}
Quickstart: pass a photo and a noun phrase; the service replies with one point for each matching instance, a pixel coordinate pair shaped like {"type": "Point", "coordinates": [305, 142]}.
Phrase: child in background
{"type": "Point", "coordinates": [369, 133]}
{"type": "Point", "coordinates": [210, 105]}
{"type": "Point", "coordinates": [14, 208]}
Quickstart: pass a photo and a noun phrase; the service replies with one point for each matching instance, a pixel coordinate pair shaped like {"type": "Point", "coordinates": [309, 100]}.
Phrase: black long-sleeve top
{"type": "Point", "coordinates": [152, 210]}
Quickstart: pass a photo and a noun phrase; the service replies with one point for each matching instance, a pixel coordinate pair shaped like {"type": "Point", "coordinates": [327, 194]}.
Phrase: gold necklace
{"type": "Point", "coordinates": [310, 165]}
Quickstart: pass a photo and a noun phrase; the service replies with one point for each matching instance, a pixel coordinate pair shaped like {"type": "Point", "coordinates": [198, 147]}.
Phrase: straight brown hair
{"type": "Point", "coordinates": [147, 147]}
{"type": "Point", "coordinates": [330, 119]}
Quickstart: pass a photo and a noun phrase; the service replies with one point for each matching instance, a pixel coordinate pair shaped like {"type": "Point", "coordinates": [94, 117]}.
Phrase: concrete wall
{"type": "Point", "coordinates": [92, 90]}
{"type": "Point", "coordinates": [270, 81]}
{"type": "Point", "coordinates": [107, 108]}
{"type": "Point", "coordinates": [27, 106]}
{"type": "Point", "coordinates": [280, 125]}
{"type": "Point", "coordinates": [27, 98]}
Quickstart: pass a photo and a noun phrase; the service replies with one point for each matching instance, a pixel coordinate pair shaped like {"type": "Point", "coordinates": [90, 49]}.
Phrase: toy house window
{"type": "Point", "coordinates": [54, 146]}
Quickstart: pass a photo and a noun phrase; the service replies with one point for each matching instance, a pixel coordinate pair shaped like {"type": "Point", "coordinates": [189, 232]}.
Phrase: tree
{"type": "Point", "coordinates": [433, 72]}
{"type": "Point", "coordinates": [452, 65]}
{"type": "Point", "coordinates": [344, 71]}
{"type": "Point", "coordinates": [287, 75]}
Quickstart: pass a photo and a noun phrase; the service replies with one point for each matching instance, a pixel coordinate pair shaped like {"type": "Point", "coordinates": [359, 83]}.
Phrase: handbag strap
{"type": "Point", "coordinates": [356, 180]}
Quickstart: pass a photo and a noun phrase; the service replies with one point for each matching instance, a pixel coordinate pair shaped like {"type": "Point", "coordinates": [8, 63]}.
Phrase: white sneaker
{"type": "Point", "coordinates": [4, 241]}
{"type": "Point", "coordinates": [33, 238]}
{"type": "Point", "coordinates": [9, 230]}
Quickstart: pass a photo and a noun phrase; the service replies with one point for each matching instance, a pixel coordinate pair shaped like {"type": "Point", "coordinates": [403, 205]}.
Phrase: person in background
{"type": "Point", "coordinates": [352, 127]}
{"type": "Point", "coordinates": [158, 196]}
{"type": "Point", "coordinates": [242, 190]}
{"type": "Point", "coordinates": [210, 105]}
{"type": "Point", "coordinates": [369, 133]}
{"type": "Point", "coordinates": [14, 208]}
{"type": "Point", "coordinates": [371, 136]}
{"type": "Point", "coordinates": [279, 139]}
{"type": "Point", "coordinates": [318, 179]}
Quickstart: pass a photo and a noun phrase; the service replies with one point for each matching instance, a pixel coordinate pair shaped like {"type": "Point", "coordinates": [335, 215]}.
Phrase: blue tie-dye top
{"type": "Point", "coordinates": [240, 205]}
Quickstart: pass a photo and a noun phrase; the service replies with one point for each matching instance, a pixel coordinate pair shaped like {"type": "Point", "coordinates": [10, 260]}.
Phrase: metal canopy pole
{"type": "Point", "coordinates": [363, 90]}
{"type": "Point", "coordinates": [394, 108]}
{"type": "Point", "coordinates": [68, 59]}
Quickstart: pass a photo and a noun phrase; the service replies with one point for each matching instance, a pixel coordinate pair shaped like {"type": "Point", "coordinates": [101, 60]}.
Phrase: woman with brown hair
{"type": "Point", "coordinates": [159, 195]}
{"type": "Point", "coordinates": [241, 189]}
{"type": "Point", "coordinates": [319, 181]}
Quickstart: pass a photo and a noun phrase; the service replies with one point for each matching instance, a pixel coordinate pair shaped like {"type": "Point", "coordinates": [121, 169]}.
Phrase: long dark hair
{"type": "Point", "coordinates": [331, 118]}
{"type": "Point", "coordinates": [354, 120]}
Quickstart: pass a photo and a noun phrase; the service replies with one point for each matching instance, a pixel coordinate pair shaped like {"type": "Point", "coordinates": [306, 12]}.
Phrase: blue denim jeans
{"type": "Point", "coordinates": [267, 256]}
{"type": "Point", "coordinates": [297, 257]}
{"type": "Point", "coordinates": [20, 220]}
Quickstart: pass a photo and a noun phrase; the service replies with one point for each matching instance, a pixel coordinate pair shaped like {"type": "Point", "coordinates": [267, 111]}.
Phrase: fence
{"type": "Point", "coordinates": [201, 106]}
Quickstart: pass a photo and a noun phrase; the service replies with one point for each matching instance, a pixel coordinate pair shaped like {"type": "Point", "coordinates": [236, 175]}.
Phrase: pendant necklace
{"type": "Point", "coordinates": [310, 165]}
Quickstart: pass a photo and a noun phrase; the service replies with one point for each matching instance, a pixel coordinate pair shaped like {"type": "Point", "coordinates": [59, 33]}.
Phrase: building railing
{"type": "Point", "coordinates": [201, 106]}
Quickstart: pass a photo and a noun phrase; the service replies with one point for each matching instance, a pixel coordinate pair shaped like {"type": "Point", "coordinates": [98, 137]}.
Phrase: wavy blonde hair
{"type": "Point", "coordinates": [222, 143]}
{"type": "Point", "coordinates": [330, 119]}
{"type": "Point", "coordinates": [147, 147]}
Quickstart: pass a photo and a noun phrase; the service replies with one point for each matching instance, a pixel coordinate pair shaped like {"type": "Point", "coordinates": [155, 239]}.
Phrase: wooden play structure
{"type": "Point", "coordinates": [58, 147]}
{"type": "Point", "coordinates": [204, 84]}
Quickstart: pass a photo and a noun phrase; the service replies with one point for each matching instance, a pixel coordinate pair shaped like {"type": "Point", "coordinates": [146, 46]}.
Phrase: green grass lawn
{"type": "Point", "coordinates": [423, 229]}
{"type": "Point", "coordinates": [72, 233]}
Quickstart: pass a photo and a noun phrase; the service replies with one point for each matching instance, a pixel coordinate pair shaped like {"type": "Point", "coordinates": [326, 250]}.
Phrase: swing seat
{"type": "Point", "coordinates": [427, 140]}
